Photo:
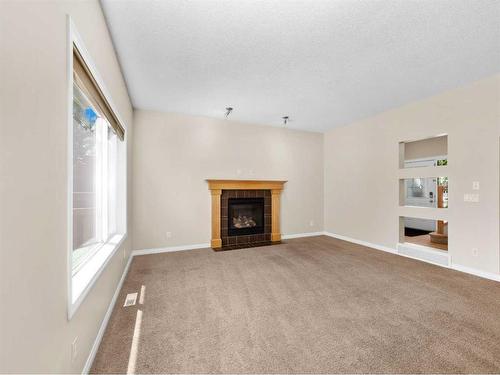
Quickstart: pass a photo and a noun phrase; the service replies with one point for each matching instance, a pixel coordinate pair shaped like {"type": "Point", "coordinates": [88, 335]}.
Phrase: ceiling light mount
{"type": "Point", "coordinates": [228, 111]}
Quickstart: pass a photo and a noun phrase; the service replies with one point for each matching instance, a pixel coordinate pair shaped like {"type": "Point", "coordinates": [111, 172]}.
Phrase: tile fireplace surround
{"type": "Point", "coordinates": [222, 190]}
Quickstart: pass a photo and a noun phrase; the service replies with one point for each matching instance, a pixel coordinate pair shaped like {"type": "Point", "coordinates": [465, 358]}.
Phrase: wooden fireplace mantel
{"type": "Point", "coordinates": [216, 187]}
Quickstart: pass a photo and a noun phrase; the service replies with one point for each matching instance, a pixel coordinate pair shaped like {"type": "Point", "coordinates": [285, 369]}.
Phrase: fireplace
{"type": "Point", "coordinates": [245, 216]}
{"type": "Point", "coordinates": [245, 213]}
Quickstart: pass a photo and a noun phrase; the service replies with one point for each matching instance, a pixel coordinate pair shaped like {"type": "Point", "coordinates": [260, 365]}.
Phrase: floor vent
{"type": "Point", "coordinates": [130, 300]}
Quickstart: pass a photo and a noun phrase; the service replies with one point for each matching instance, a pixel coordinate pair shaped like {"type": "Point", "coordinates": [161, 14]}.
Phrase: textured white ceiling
{"type": "Point", "coordinates": [323, 63]}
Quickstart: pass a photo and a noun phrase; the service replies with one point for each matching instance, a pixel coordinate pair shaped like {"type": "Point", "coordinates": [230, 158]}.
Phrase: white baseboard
{"type": "Point", "coordinates": [475, 272]}
{"type": "Point", "coordinates": [456, 267]}
{"type": "Point", "coordinates": [207, 245]}
{"type": "Point", "coordinates": [359, 242]}
{"type": "Point", "coordinates": [300, 235]}
{"type": "Point", "coordinates": [104, 323]}
{"type": "Point", "coordinates": [169, 249]}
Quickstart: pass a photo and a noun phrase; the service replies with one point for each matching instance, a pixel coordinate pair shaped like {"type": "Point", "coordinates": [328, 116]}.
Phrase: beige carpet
{"type": "Point", "coordinates": [312, 305]}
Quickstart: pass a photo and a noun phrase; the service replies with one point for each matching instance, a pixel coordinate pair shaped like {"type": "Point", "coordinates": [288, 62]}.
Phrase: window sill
{"type": "Point", "coordinates": [82, 282]}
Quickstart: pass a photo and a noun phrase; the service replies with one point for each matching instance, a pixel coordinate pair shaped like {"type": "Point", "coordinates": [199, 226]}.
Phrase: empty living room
{"type": "Point", "coordinates": [250, 186]}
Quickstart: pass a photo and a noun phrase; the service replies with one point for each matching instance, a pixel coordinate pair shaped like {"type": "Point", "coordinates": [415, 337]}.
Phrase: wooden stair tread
{"type": "Point", "coordinates": [439, 237]}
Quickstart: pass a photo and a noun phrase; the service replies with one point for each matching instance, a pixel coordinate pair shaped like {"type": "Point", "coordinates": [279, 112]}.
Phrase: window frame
{"type": "Point", "coordinates": [80, 283]}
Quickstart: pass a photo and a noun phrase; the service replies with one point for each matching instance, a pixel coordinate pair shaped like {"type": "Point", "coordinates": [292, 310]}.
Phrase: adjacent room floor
{"type": "Point", "coordinates": [425, 240]}
{"type": "Point", "coordinates": [314, 304]}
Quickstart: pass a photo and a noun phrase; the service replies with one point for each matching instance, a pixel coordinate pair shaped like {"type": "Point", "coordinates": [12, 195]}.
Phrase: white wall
{"type": "Point", "coordinates": [175, 154]}
{"type": "Point", "coordinates": [35, 335]}
{"type": "Point", "coordinates": [361, 171]}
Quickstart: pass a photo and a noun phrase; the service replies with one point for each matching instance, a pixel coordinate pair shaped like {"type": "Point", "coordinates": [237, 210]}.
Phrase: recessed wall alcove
{"type": "Point", "coordinates": [423, 199]}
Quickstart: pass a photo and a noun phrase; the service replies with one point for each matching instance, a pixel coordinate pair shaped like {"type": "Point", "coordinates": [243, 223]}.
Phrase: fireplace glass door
{"type": "Point", "coordinates": [245, 216]}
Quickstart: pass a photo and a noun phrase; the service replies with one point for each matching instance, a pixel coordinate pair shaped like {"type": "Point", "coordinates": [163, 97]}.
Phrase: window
{"type": "Point", "coordinates": [94, 179]}
{"type": "Point", "coordinates": [98, 180]}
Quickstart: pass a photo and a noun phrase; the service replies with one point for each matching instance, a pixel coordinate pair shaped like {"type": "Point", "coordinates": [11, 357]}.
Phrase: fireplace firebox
{"type": "Point", "coordinates": [245, 216]}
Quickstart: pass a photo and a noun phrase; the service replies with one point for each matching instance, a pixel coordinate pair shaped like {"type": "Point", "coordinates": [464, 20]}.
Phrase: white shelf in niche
{"type": "Point", "coordinates": [423, 172]}
{"type": "Point", "coordinates": [430, 213]}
